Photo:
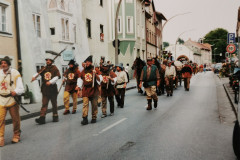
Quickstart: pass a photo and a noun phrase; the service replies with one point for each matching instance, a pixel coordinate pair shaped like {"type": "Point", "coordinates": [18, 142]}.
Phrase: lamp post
{"type": "Point", "coordinates": [168, 21]}
{"type": "Point", "coordinates": [177, 40]}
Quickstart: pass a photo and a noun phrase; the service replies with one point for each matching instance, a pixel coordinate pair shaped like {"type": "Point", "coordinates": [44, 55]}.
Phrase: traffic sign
{"type": "Point", "coordinates": [231, 48]}
{"type": "Point", "coordinates": [231, 38]}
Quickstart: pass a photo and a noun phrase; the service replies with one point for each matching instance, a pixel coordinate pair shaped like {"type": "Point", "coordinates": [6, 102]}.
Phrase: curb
{"type": "Point", "coordinates": [231, 101]}
{"type": "Point", "coordinates": [36, 114]}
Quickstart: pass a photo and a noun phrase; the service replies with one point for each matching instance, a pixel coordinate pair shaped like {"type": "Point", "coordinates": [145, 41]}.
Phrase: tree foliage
{"type": "Point", "coordinates": [165, 44]}
{"type": "Point", "coordinates": [218, 39]}
{"type": "Point", "coordinates": [180, 41]}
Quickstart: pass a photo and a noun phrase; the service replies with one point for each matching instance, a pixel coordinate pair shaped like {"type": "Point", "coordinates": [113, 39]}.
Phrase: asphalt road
{"type": "Point", "coordinates": [183, 127]}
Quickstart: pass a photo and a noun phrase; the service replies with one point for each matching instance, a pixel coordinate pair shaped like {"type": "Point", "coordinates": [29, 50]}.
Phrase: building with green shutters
{"type": "Point", "coordinates": [131, 31]}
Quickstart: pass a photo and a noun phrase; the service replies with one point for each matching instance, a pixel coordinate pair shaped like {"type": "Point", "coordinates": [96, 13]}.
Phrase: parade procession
{"type": "Point", "coordinates": [96, 80]}
{"type": "Point", "coordinates": [119, 80]}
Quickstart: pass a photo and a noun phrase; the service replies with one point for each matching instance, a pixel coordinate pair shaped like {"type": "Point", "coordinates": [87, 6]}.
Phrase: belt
{"type": "Point", "coordinates": [171, 76]}
{"type": "Point", "coordinates": [120, 83]}
{"type": "Point", "coordinates": [5, 96]}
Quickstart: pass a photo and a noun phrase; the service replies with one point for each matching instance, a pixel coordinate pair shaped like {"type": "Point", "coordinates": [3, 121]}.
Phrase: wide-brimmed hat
{"type": "Point", "coordinates": [7, 60]}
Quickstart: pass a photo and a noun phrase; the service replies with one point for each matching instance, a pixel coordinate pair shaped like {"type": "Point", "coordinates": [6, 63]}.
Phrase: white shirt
{"type": "Point", "coordinates": [170, 71]}
{"type": "Point", "coordinates": [19, 84]}
{"type": "Point", "coordinates": [121, 78]}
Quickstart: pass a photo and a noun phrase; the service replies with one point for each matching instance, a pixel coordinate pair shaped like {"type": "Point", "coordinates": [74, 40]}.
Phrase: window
{"type": "Point", "coordinates": [3, 19]}
{"type": "Point", "coordinates": [74, 33]}
{"type": "Point", "coordinates": [37, 24]}
{"type": "Point", "coordinates": [52, 30]}
{"type": "Point", "coordinates": [101, 2]}
{"type": "Point", "coordinates": [129, 24]}
{"type": "Point", "coordinates": [39, 66]}
{"type": "Point", "coordinates": [147, 35]}
{"type": "Point", "coordinates": [119, 25]}
{"type": "Point", "coordinates": [65, 29]}
{"type": "Point", "coordinates": [62, 5]}
{"type": "Point", "coordinates": [101, 33]}
{"type": "Point", "coordinates": [88, 23]}
{"type": "Point", "coordinates": [64, 68]}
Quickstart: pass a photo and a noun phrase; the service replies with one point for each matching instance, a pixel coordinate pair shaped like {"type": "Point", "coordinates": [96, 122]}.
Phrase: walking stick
{"type": "Point", "coordinates": [57, 54]}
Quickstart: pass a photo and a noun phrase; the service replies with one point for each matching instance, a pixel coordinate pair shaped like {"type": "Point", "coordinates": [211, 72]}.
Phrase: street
{"type": "Point", "coordinates": [183, 127]}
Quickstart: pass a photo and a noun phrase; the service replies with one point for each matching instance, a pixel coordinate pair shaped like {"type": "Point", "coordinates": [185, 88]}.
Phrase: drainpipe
{"type": "Point", "coordinates": [18, 36]}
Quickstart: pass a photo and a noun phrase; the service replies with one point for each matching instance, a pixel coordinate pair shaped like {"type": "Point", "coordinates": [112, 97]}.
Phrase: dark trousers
{"type": "Point", "coordinates": [162, 84]}
{"type": "Point", "coordinates": [120, 96]}
{"type": "Point", "coordinates": [45, 101]}
{"type": "Point", "coordinates": [104, 104]}
{"type": "Point", "coordinates": [169, 85]}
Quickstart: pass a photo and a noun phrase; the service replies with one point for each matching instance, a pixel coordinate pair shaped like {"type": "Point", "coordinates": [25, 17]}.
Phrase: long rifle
{"type": "Point", "coordinates": [94, 74]}
{"type": "Point", "coordinates": [20, 104]}
{"type": "Point", "coordinates": [57, 55]}
{"type": "Point", "coordinates": [108, 81]}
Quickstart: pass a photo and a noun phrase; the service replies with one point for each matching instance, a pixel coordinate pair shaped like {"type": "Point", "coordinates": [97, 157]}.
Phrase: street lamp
{"type": "Point", "coordinates": [177, 40]}
{"type": "Point", "coordinates": [169, 20]}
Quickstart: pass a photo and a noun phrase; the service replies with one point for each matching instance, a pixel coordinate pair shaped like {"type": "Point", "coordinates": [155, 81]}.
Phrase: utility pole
{"type": "Point", "coordinates": [116, 32]}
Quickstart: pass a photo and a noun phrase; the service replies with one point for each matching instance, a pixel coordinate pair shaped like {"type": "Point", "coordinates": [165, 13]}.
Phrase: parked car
{"type": "Point", "coordinates": [236, 130]}
{"type": "Point", "coordinates": [236, 135]}
{"type": "Point", "coordinates": [217, 67]}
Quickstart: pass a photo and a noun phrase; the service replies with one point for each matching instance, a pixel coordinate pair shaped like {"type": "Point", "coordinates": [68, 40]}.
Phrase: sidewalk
{"type": "Point", "coordinates": [227, 113]}
{"type": "Point", "coordinates": [35, 107]}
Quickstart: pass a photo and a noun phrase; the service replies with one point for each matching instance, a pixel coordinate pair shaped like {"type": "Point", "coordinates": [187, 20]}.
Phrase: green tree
{"type": "Point", "coordinates": [180, 41]}
{"type": "Point", "coordinates": [165, 44]}
{"type": "Point", "coordinates": [218, 39]}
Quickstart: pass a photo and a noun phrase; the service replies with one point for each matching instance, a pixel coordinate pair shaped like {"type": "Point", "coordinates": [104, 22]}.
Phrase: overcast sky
{"type": "Point", "coordinates": [205, 16]}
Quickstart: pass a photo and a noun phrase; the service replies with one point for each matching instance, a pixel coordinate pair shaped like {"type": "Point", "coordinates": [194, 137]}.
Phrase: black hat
{"type": "Point", "coordinates": [89, 59]}
{"type": "Point", "coordinates": [7, 60]}
{"type": "Point", "coordinates": [71, 62]}
{"type": "Point", "coordinates": [149, 59]}
{"type": "Point", "coordinates": [104, 67]}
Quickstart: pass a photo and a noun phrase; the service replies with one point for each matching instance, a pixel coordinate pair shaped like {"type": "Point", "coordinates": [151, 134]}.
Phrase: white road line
{"type": "Point", "coordinates": [113, 125]}
{"type": "Point", "coordinates": [146, 106]}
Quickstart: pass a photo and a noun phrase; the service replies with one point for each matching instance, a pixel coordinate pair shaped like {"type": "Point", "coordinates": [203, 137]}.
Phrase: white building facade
{"type": "Point", "coordinates": [180, 50]}
{"type": "Point", "coordinates": [50, 25]}
{"type": "Point", "coordinates": [95, 16]}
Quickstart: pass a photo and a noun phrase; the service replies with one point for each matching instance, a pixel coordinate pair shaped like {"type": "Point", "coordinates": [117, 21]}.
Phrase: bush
{"type": "Point", "coordinates": [28, 94]}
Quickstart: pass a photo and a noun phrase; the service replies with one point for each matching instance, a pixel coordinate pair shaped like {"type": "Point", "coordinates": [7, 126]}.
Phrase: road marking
{"type": "Point", "coordinates": [113, 125]}
{"type": "Point", "coordinates": [146, 106]}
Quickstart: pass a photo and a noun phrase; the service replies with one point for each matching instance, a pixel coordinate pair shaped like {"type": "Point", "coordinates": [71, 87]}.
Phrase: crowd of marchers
{"type": "Point", "coordinates": [95, 84]}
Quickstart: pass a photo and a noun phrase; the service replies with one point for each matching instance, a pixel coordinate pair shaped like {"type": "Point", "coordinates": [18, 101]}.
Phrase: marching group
{"type": "Point", "coordinates": [92, 82]}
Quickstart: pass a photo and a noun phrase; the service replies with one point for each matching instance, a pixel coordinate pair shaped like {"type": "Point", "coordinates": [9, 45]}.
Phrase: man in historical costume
{"type": "Point", "coordinates": [107, 89]}
{"type": "Point", "coordinates": [162, 76]}
{"type": "Point", "coordinates": [170, 57]}
{"type": "Point", "coordinates": [158, 65]}
{"type": "Point", "coordinates": [11, 86]}
{"type": "Point", "coordinates": [89, 81]}
{"type": "Point", "coordinates": [49, 76]}
{"type": "Point", "coordinates": [70, 77]}
{"type": "Point", "coordinates": [121, 85]}
{"type": "Point", "coordinates": [187, 74]}
{"type": "Point", "coordinates": [170, 74]}
{"type": "Point", "coordinates": [151, 78]}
